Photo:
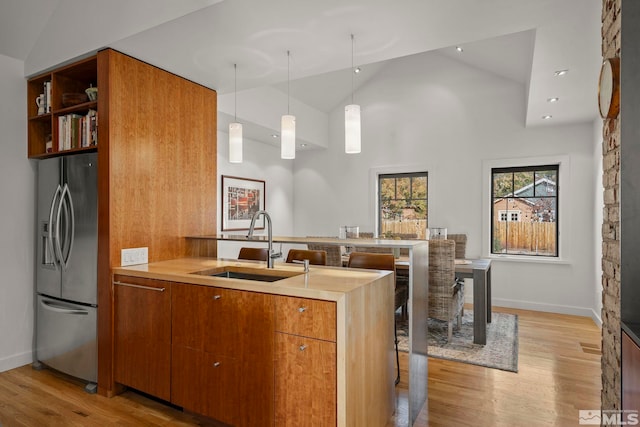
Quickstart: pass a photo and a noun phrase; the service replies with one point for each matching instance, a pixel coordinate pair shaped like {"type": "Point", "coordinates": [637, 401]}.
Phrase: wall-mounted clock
{"type": "Point", "coordinates": [609, 88]}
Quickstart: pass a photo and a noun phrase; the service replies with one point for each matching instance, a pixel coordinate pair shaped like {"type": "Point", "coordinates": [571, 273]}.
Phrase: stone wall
{"type": "Point", "coordinates": [611, 225]}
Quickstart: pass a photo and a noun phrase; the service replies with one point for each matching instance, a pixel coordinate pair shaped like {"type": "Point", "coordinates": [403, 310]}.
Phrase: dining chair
{"type": "Point", "coordinates": [446, 295]}
{"type": "Point", "coordinates": [378, 261]}
{"type": "Point", "coordinates": [461, 244]}
{"type": "Point", "coordinates": [254, 254]}
{"type": "Point", "coordinates": [334, 255]}
{"type": "Point", "coordinates": [314, 257]}
{"type": "Point", "coordinates": [461, 250]}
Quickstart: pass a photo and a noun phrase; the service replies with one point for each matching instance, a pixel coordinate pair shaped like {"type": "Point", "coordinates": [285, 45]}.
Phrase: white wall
{"type": "Point", "coordinates": [263, 162]}
{"type": "Point", "coordinates": [17, 224]}
{"type": "Point", "coordinates": [598, 219]}
{"type": "Point", "coordinates": [433, 113]}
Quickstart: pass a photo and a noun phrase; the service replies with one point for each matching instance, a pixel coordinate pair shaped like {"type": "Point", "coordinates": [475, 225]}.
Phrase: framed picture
{"type": "Point", "coordinates": [241, 198]}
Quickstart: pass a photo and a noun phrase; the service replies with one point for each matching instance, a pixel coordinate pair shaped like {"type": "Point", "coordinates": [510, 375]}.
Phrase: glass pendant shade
{"type": "Point", "coordinates": [352, 129]}
{"type": "Point", "coordinates": [288, 137]}
{"type": "Point", "coordinates": [235, 142]}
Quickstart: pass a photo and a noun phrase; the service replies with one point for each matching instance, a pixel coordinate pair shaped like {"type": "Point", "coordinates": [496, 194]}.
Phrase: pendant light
{"type": "Point", "coordinates": [352, 117]}
{"type": "Point", "coordinates": [288, 126]}
{"type": "Point", "coordinates": [235, 128]}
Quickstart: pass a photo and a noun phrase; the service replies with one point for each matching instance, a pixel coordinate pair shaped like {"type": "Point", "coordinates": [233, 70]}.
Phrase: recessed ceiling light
{"type": "Point", "coordinates": [274, 135]}
{"type": "Point", "coordinates": [547, 117]}
{"type": "Point", "coordinates": [560, 73]}
{"type": "Point", "coordinates": [303, 145]}
{"type": "Point", "coordinates": [357, 70]}
{"type": "Point", "coordinates": [553, 99]}
{"type": "Point", "coordinates": [459, 49]}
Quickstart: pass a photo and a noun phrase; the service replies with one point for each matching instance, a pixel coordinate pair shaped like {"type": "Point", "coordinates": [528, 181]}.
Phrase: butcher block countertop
{"type": "Point", "coordinates": [326, 283]}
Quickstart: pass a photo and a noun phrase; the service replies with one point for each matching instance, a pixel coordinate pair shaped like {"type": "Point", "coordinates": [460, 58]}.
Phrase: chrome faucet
{"type": "Point", "coordinates": [304, 262]}
{"type": "Point", "coordinates": [272, 254]}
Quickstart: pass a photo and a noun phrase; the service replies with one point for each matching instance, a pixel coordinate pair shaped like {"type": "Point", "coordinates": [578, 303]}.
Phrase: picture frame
{"type": "Point", "coordinates": [241, 198]}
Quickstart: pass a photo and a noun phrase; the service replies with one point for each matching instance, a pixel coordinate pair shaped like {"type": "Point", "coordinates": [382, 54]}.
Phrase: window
{"type": "Point", "coordinates": [524, 210]}
{"type": "Point", "coordinates": [509, 216]}
{"type": "Point", "coordinates": [402, 200]}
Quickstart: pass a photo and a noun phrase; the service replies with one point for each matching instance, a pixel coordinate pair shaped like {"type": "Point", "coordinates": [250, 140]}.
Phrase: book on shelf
{"type": "Point", "coordinates": [77, 131]}
{"type": "Point", "coordinates": [47, 97]}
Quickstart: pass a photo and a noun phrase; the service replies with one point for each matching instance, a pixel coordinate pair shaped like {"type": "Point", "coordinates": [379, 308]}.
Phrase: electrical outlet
{"type": "Point", "coordinates": [133, 256]}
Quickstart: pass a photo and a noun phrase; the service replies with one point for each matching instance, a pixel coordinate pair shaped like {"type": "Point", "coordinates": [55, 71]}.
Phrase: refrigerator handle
{"type": "Point", "coordinates": [50, 244]}
{"type": "Point", "coordinates": [71, 225]}
{"type": "Point", "coordinates": [50, 305]}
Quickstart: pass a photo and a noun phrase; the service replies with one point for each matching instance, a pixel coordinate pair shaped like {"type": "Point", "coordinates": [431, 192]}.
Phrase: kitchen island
{"type": "Point", "coordinates": [418, 257]}
{"type": "Point", "coordinates": [262, 346]}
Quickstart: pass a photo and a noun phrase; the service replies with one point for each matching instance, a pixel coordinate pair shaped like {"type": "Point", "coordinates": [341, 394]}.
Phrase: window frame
{"type": "Point", "coordinates": [396, 175]}
{"type": "Point", "coordinates": [516, 215]}
{"type": "Point", "coordinates": [564, 207]}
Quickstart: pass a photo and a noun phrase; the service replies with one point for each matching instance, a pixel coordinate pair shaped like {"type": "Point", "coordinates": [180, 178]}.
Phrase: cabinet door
{"type": "Point", "coordinates": [305, 392]}
{"type": "Point", "coordinates": [225, 324]}
{"type": "Point", "coordinates": [142, 334]}
{"type": "Point", "coordinates": [206, 384]}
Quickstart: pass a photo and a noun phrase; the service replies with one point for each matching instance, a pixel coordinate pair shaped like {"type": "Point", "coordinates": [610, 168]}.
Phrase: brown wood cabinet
{"type": "Point", "coordinates": [156, 173]}
{"type": "Point", "coordinates": [630, 373]}
{"type": "Point", "coordinates": [306, 362]}
{"type": "Point", "coordinates": [157, 149]}
{"type": "Point", "coordinates": [306, 390]}
{"type": "Point", "coordinates": [286, 353]}
{"type": "Point", "coordinates": [74, 78]}
{"type": "Point", "coordinates": [222, 350]}
{"type": "Point", "coordinates": [142, 347]}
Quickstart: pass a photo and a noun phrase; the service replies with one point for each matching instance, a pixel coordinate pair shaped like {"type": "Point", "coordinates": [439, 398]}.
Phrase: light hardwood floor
{"type": "Point", "coordinates": [559, 373]}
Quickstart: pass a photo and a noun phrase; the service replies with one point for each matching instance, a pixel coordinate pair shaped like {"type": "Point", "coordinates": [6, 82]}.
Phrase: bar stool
{"type": "Point", "coordinates": [254, 254]}
{"type": "Point", "coordinates": [314, 257]}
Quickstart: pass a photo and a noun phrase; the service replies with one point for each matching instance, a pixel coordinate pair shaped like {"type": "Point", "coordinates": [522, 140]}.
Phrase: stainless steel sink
{"type": "Point", "coordinates": [248, 276]}
{"type": "Point", "coordinates": [245, 273]}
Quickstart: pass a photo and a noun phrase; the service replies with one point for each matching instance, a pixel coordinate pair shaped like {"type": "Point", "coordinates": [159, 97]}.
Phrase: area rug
{"type": "Point", "coordinates": [500, 352]}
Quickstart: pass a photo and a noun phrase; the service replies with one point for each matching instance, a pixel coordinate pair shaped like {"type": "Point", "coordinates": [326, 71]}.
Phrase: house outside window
{"type": "Point", "coordinates": [402, 204]}
{"type": "Point", "coordinates": [524, 210]}
{"type": "Point", "coordinates": [509, 215]}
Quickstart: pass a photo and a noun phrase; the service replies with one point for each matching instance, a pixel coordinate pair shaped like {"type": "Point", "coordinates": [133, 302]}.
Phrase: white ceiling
{"type": "Point", "coordinates": [522, 40]}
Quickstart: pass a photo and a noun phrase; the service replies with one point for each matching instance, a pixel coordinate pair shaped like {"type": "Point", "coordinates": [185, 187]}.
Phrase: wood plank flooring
{"type": "Point", "coordinates": [559, 373]}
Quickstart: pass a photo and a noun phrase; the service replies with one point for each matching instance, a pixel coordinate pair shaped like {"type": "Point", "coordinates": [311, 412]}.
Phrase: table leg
{"type": "Point", "coordinates": [489, 295]}
{"type": "Point", "coordinates": [479, 307]}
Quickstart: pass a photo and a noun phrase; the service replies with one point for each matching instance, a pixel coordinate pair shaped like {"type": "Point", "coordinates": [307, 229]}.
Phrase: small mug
{"type": "Point", "coordinates": [40, 103]}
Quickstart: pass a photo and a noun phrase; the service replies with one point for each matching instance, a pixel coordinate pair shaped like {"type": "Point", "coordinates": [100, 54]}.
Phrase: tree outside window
{"type": "Point", "coordinates": [524, 210]}
{"type": "Point", "coordinates": [402, 201]}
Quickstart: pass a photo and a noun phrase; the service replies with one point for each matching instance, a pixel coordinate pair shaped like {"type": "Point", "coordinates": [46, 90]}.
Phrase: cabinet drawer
{"type": "Point", "coordinates": [306, 317]}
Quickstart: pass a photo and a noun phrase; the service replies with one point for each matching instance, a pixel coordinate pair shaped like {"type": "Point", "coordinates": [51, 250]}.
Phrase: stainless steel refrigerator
{"type": "Point", "coordinates": [66, 279]}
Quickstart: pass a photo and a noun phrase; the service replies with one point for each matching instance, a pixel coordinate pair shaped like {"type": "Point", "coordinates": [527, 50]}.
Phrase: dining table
{"type": "Point", "coordinates": [480, 271]}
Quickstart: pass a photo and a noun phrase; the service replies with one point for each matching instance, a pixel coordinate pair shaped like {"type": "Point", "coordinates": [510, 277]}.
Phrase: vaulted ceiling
{"type": "Point", "coordinates": [522, 40]}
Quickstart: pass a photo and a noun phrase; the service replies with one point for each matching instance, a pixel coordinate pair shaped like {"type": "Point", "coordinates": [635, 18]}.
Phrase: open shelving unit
{"type": "Point", "coordinates": [72, 78]}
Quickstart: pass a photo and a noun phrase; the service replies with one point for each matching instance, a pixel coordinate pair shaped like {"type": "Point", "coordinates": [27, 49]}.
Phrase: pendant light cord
{"type": "Point", "coordinates": [235, 93]}
{"type": "Point", "coordinates": [288, 78]}
{"type": "Point", "coordinates": [352, 69]}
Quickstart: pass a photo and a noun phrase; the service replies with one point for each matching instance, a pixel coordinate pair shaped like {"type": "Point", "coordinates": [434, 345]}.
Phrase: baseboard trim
{"type": "Point", "coordinates": [550, 308]}
{"type": "Point", "coordinates": [15, 361]}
